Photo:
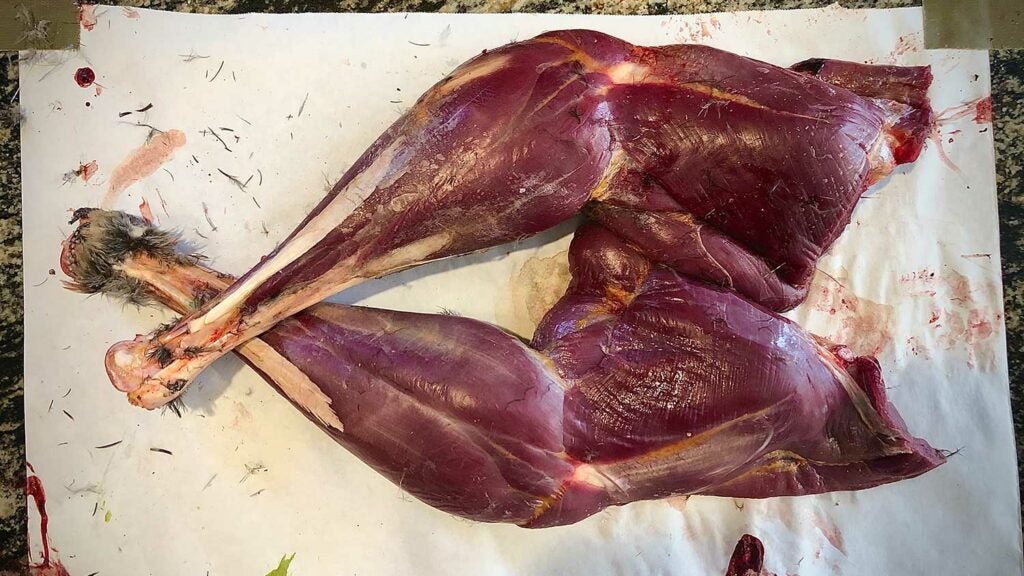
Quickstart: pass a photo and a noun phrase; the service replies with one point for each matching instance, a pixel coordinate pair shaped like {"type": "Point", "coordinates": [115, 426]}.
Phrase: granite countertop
{"type": "Point", "coordinates": [1008, 113]}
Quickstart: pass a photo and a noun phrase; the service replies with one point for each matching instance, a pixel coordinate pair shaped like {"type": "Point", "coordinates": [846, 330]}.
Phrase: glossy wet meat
{"type": "Point", "coordinates": [640, 384]}
{"type": "Point", "coordinates": [747, 558]}
{"type": "Point", "coordinates": [664, 375]}
{"type": "Point", "coordinates": [731, 170]}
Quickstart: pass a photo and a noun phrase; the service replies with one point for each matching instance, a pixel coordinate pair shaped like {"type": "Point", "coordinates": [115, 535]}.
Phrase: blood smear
{"type": "Point", "coordinates": [142, 162]}
{"type": "Point", "coordinates": [48, 566]}
{"type": "Point", "coordinates": [983, 110]}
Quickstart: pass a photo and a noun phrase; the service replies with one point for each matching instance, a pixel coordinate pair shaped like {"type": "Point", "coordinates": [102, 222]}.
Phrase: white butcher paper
{"type": "Point", "coordinates": [250, 479]}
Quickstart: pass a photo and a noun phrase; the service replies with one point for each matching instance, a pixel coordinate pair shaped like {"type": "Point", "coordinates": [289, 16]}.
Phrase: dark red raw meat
{"type": "Point", "coordinates": [734, 171]}
{"type": "Point", "coordinates": [742, 174]}
{"type": "Point", "coordinates": [748, 558]}
{"type": "Point", "coordinates": [663, 375]}
{"type": "Point", "coordinates": [643, 384]}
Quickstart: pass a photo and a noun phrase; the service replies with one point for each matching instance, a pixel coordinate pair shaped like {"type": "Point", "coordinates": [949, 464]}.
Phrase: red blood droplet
{"type": "Point", "coordinates": [85, 77]}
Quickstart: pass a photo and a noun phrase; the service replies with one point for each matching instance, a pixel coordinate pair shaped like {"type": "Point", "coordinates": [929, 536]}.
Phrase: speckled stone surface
{"type": "Point", "coordinates": [1008, 120]}
{"type": "Point", "coordinates": [12, 422]}
{"type": "Point", "coordinates": [1008, 108]}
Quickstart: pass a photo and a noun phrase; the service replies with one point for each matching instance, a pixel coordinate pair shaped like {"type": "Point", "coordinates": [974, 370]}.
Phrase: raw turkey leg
{"type": "Point", "coordinates": [624, 403]}
{"type": "Point", "coordinates": [768, 161]}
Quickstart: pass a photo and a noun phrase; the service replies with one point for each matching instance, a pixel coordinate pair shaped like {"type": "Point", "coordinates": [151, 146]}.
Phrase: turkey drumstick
{"type": "Point", "coordinates": [640, 384]}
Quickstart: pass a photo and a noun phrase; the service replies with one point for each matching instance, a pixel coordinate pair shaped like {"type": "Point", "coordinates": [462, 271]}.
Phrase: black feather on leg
{"type": "Point", "coordinates": [93, 252]}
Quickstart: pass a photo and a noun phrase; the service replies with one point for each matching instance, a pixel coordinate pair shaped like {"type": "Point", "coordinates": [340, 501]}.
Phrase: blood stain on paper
{"type": "Point", "coordinates": [699, 31]}
{"type": "Point", "coordinates": [904, 44]}
{"type": "Point", "coordinates": [85, 76]}
{"type": "Point", "coordinates": [956, 318]}
{"type": "Point", "coordinates": [49, 566]}
{"type": "Point", "coordinates": [130, 13]}
{"type": "Point", "coordinates": [917, 348]}
{"type": "Point", "coordinates": [87, 16]}
{"type": "Point", "coordinates": [978, 110]}
{"type": "Point", "coordinates": [242, 415]}
{"type": "Point", "coordinates": [983, 110]}
{"type": "Point", "coordinates": [921, 282]}
{"type": "Point", "coordinates": [532, 290]}
{"type": "Point", "coordinates": [830, 532]}
{"type": "Point", "coordinates": [863, 325]}
{"type": "Point", "coordinates": [142, 162]}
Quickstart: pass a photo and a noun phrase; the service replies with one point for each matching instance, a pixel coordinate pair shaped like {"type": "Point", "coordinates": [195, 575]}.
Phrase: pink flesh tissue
{"type": "Point", "coordinates": [729, 170]}
{"type": "Point", "coordinates": [640, 384]}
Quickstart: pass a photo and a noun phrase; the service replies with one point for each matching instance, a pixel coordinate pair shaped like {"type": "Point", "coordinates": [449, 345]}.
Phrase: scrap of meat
{"type": "Point", "coordinates": [748, 558]}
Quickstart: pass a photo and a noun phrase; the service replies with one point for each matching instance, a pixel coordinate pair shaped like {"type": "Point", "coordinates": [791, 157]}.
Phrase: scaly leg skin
{"type": "Point", "coordinates": [647, 385]}
{"type": "Point", "coordinates": [520, 138]}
